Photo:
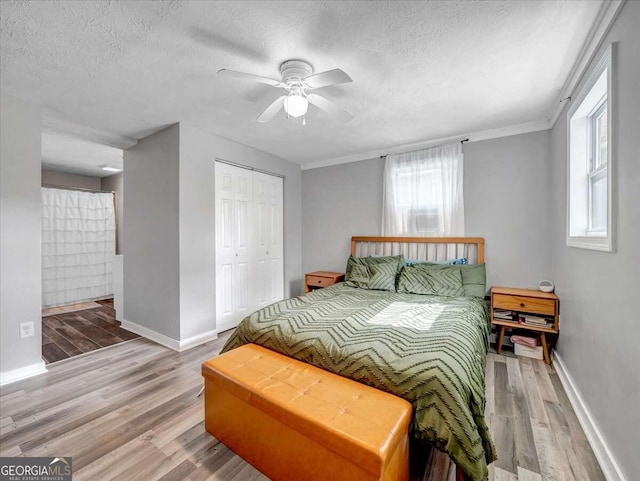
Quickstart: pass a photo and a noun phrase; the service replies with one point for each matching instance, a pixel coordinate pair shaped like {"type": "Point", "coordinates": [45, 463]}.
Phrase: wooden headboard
{"type": "Point", "coordinates": [421, 248]}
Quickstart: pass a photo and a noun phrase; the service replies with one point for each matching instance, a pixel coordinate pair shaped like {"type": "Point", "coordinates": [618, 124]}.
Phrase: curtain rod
{"type": "Point", "coordinates": [242, 166]}
{"type": "Point", "coordinates": [462, 142]}
{"type": "Point", "coordinates": [81, 189]}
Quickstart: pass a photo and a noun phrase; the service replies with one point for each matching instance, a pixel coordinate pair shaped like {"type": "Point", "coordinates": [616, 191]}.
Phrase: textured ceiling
{"type": "Point", "coordinates": [421, 70]}
{"type": "Point", "coordinates": [66, 153]}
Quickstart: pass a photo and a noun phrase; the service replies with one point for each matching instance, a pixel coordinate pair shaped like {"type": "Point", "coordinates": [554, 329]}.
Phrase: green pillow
{"type": "Point", "coordinates": [375, 273]}
{"type": "Point", "coordinates": [431, 281]}
{"type": "Point", "coordinates": [474, 277]}
{"type": "Point", "coordinates": [368, 261]}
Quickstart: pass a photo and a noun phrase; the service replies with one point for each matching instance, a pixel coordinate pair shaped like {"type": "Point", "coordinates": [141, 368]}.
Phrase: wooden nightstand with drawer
{"type": "Point", "coordinates": [318, 279]}
{"type": "Point", "coordinates": [523, 303]}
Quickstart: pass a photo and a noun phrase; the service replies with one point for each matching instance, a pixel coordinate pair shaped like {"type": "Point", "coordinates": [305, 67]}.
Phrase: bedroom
{"type": "Point", "coordinates": [514, 177]}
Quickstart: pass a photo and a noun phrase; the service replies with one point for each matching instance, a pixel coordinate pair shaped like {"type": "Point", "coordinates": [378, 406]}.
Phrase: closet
{"type": "Point", "coordinates": [249, 242]}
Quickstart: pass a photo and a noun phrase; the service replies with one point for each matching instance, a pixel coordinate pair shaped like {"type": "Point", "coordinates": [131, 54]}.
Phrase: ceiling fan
{"type": "Point", "coordinates": [298, 80]}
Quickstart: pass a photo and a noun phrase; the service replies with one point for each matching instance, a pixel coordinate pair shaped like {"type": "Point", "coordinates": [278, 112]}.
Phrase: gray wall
{"type": "Point", "coordinates": [198, 151]}
{"type": "Point", "coordinates": [151, 239]}
{"type": "Point", "coordinates": [64, 179]}
{"type": "Point", "coordinates": [115, 183]}
{"type": "Point", "coordinates": [600, 338]}
{"type": "Point", "coordinates": [506, 197]}
{"type": "Point", "coordinates": [506, 185]}
{"type": "Point", "coordinates": [20, 233]}
{"type": "Point", "coordinates": [339, 202]}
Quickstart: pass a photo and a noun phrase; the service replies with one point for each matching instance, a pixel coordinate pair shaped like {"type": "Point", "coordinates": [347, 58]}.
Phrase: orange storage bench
{"type": "Point", "coordinates": [294, 421]}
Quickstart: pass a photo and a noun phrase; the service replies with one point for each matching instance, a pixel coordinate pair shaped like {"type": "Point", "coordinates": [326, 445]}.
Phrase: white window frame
{"type": "Point", "coordinates": [594, 171]}
{"type": "Point", "coordinates": [582, 160]}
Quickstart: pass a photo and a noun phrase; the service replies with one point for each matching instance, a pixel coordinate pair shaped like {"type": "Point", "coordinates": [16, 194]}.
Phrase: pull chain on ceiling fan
{"type": "Point", "coordinates": [298, 80]}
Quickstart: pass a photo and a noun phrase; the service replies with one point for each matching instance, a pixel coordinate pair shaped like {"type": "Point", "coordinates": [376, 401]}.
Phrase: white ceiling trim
{"type": "Point", "coordinates": [52, 122]}
{"type": "Point", "coordinates": [473, 137]}
{"type": "Point", "coordinates": [607, 15]}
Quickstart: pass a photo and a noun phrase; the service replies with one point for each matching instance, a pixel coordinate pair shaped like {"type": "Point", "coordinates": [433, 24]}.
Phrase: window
{"type": "Point", "coordinates": [419, 200]}
{"type": "Point", "coordinates": [589, 206]}
{"type": "Point", "coordinates": [423, 193]}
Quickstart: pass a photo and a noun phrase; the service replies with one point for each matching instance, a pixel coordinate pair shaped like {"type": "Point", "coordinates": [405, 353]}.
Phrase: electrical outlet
{"type": "Point", "coordinates": [26, 329]}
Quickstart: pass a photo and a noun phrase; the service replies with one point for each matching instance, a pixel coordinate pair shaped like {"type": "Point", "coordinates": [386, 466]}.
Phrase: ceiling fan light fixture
{"type": "Point", "coordinates": [296, 105]}
{"type": "Point", "coordinates": [299, 82]}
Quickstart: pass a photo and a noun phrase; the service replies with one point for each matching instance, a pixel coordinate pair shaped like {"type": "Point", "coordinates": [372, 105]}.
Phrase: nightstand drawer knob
{"type": "Point", "coordinates": [522, 304]}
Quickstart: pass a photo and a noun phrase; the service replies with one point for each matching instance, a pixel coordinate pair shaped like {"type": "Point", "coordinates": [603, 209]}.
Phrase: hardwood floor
{"type": "Point", "coordinates": [69, 334]}
{"type": "Point", "coordinates": [131, 412]}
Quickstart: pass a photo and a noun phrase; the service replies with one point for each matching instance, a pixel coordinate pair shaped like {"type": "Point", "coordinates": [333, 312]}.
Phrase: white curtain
{"type": "Point", "coordinates": [78, 244]}
{"type": "Point", "coordinates": [423, 193]}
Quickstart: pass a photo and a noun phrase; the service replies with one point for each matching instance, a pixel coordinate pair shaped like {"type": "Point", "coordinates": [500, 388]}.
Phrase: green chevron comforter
{"type": "Point", "coordinates": [428, 350]}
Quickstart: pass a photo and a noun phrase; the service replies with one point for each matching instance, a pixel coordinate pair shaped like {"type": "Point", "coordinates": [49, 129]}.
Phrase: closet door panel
{"type": "Point", "coordinates": [268, 200]}
{"type": "Point", "coordinates": [226, 304]}
{"type": "Point", "coordinates": [262, 294]}
{"type": "Point", "coordinates": [242, 304]}
{"type": "Point", "coordinates": [225, 248]}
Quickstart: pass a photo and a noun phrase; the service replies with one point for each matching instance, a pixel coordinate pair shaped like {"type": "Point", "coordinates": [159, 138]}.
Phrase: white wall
{"type": "Point", "coordinates": [115, 183]}
{"type": "Point", "coordinates": [65, 179]}
{"type": "Point", "coordinates": [506, 184]}
{"type": "Point", "coordinates": [151, 237]}
{"type": "Point", "coordinates": [20, 237]}
{"type": "Point", "coordinates": [169, 243]}
{"type": "Point", "coordinates": [198, 151]}
{"type": "Point", "coordinates": [600, 325]}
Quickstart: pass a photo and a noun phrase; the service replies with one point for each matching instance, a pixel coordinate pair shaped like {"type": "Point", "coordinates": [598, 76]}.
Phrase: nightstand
{"type": "Point", "coordinates": [522, 303]}
{"type": "Point", "coordinates": [318, 279]}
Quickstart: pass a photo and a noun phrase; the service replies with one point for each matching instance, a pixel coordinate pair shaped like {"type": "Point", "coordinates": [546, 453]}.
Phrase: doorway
{"type": "Point", "coordinates": [82, 185]}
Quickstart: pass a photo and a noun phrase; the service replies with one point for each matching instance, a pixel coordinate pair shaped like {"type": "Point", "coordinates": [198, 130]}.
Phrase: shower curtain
{"type": "Point", "coordinates": [78, 245]}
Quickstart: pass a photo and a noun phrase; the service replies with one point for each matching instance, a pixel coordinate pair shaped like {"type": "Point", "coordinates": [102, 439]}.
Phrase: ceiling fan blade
{"type": "Point", "coordinates": [249, 76]}
{"type": "Point", "coordinates": [271, 111]}
{"type": "Point", "coordinates": [329, 107]}
{"type": "Point", "coordinates": [330, 77]}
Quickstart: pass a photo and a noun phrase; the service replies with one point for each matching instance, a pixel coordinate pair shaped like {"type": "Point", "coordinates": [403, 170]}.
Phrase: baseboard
{"type": "Point", "coordinates": [608, 464]}
{"type": "Point", "coordinates": [22, 373]}
{"type": "Point", "coordinates": [161, 339]}
{"type": "Point", "coordinates": [167, 341]}
{"type": "Point", "coordinates": [194, 341]}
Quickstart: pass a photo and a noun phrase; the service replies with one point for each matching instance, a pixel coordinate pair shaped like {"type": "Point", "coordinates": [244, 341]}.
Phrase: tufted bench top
{"type": "Point", "coordinates": [355, 421]}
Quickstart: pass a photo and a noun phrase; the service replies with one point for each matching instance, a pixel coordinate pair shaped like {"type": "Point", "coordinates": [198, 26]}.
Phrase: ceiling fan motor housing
{"type": "Point", "coordinates": [294, 71]}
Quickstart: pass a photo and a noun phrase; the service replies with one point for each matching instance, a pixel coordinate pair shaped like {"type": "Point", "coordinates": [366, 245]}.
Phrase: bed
{"type": "Point", "coordinates": [427, 349]}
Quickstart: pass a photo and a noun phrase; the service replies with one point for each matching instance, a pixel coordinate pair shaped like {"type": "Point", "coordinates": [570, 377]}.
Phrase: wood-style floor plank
{"type": "Point", "coordinates": [130, 411]}
{"type": "Point", "coordinates": [69, 334]}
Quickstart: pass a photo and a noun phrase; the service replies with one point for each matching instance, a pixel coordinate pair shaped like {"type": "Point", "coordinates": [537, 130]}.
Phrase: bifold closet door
{"type": "Point", "coordinates": [234, 249]}
{"type": "Point", "coordinates": [268, 201]}
{"type": "Point", "coordinates": [249, 243]}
